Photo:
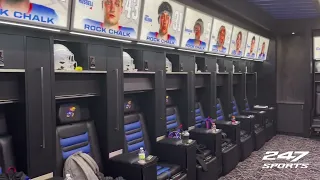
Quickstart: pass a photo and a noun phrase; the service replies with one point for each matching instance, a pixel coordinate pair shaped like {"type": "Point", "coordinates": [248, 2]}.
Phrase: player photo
{"type": "Point", "coordinates": [164, 19]}
{"type": "Point", "coordinates": [219, 47]}
{"type": "Point", "coordinates": [196, 33]}
{"type": "Point", "coordinates": [252, 45]}
{"type": "Point", "coordinates": [238, 51]}
{"type": "Point", "coordinates": [109, 17]}
{"type": "Point", "coordinates": [238, 41]}
{"type": "Point", "coordinates": [221, 35]}
{"type": "Point", "coordinates": [263, 48]}
{"type": "Point", "coordinates": [251, 53]}
{"type": "Point", "coordinates": [316, 48]}
{"type": "Point", "coordinates": [163, 27]}
{"type": "Point", "coordinates": [198, 29]}
{"type": "Point", "coordinates": [36, 11]}
{"type": "Point", "coordinates": [262, 54]}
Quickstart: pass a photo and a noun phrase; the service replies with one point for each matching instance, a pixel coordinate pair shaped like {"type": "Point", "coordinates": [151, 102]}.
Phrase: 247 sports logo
{"type": "Point", "coordinates": [292, 156]}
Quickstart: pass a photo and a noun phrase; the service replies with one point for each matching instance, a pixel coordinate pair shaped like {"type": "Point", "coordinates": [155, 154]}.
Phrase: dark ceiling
{"type": "Point", "coordinates": [289, 9]}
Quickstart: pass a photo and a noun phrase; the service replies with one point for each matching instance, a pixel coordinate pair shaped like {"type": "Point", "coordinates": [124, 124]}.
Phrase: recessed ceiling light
{"type": "Point", "coordinates": [293, 33]}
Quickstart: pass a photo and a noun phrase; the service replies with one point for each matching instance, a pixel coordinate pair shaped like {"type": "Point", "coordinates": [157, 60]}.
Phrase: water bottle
{"type": "Point", "coordinates": [142, 154]}
{"type": "Point", "coordinates": [68, 177]}
{"type": "Point", "coordinates": [185, 137]}
{"type": "Point", "coordinates": [213, 127]}
{"type": "Point", "coordinates": [233, 120]}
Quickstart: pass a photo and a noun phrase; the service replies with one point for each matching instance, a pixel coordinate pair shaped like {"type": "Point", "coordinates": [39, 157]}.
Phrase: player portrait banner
{"type": "Point", "coordinates": [196, 30]}
{"type": "Point", "coordinates": [162, 22]}
{"type": "Point", "coordinates": [252, 46]}
{"type": "Point", "coordinates": [238, 41]}
{"type": "Point", "coordinates": [263, 48]}
{"type": "Point", "coordinates": [316, 48]}
{"type": "Point", "coordinates": [220, 37]}
{"type": "Point", "coordinates": [116, 18]}
{"type": "Point", "coordinates": [53, 13]}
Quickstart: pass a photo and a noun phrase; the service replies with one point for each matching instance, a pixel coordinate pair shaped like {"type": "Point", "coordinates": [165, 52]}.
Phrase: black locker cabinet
{"type": "Point", "coordinates": [115, 128]}
{"type": "Point", "coordinates": [39, 96]}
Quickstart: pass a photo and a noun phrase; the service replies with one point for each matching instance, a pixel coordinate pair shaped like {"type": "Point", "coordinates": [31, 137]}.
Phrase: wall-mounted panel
{"type": "Point", "coordinates": [196, 30]}
{"type": "Point", "coordinates": [107, 18]}
{"type": "Point", "coordinates": [37, 12]}
{"type": "Point", "coordinates": [220, 36]}
{"type": "Point", "coordinates": [162, 24]}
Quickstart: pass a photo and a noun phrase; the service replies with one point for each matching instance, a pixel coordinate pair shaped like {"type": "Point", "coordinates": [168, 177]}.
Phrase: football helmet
{"type": "Point", "coordinates": [168, 65]}
{"type": "Point", "coordinates": [128, 64]}
{"type": "Point", "coordinates": [195, 67]}
{"type": "Point", "coordinates": [317, 66]}
{"type": "Point", "coordinates": [63, 58]}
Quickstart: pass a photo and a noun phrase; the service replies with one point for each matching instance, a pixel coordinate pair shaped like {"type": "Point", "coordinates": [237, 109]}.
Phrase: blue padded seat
{"type": "Point", "coordinates": [75, 133]}
{"type": "Point", "coordinates": [226, 142]}
{"type": "Point", "coordinates": [199, 117]}
{"type": "Point", "coordinates": [172, 114]}
{"type": "Point", "coordinates": [220, 113]}
{"type": "Point", "coordinates": [136, 136]}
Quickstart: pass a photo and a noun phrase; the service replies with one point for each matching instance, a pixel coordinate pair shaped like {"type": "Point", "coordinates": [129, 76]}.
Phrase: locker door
{"type": "Point", "coordinates": [40, 122]}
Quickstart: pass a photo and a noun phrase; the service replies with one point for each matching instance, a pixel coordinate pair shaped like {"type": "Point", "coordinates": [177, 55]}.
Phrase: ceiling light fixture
{"type": "Point", "coordinates": [29, 26]}
{"type": "Point", "coordinates": [213, 54]}
{"type": "Point", "coordinates": [153, 45]}
{"type": "Point", "coordinates": [101, 37]}
{"type": "Point", "coordinates": [186, 50]}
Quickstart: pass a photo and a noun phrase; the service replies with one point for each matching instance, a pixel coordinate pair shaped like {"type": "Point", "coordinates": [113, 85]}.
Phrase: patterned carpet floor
{"type": "Point", "coordinates": [251, 168]}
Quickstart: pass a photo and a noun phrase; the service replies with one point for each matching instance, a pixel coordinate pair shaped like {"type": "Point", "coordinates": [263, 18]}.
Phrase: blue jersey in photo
{"type": "Point", "coordinates": [216, 47]}
{"type": "Point", "coordinates": [262, 56]}
{"type": "Point", "coordinates": [235, 53]}
{"type": "Point", "coordinates": [97, 26]}
{"type": "Point", "coordinates": [42, 10]}
{"type": "Point", "coordinates": [154, 37]}
{"type": "Point", "coordinates": [251, 55]}
{"type": "Point", "coordinates": [191, 44]}
{"type": "Point", "coordinates": [36, 13]}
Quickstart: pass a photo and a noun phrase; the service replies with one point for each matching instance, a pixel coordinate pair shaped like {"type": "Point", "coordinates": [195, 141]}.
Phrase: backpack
{"type": "Point", "coordinates": [82, 166]}
{"type": "Point", "coordinates": [12, 174]}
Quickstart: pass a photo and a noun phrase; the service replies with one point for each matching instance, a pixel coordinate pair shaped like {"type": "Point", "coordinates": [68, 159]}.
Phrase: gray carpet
{"type": "Point", "coordinates": [251, 168]}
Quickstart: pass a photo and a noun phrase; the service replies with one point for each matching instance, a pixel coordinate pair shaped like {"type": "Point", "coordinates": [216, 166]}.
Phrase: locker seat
{"type": "Point", "coordinates": [205, 157]}
{"type": "Point", "coordinates": [229, 142]}
{"type": "Point", "coordinates": [199, 116]}
{"type": "Point", "coordinates": [259, 134]}
{"type": "Point", "coordinates": [246, 130]}
{"type": "Point", "coordinates": [6, 152]}
{"type": "Point", "coordinates": [226, 141]}
{"type": "Point", "coordinates": [76, 132]}
{"type": "Point", "coordinates": [136, 137]}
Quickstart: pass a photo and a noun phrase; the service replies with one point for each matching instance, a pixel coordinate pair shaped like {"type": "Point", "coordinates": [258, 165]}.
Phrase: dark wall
{"type": "Point", "coordinates": [294, 75]}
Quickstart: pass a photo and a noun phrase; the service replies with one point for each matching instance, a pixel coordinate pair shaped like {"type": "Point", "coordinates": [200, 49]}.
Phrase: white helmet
{"type": "Point", "coordinates": [195, 67]}
{"type": "Point", "coordinates": [63, 58]}
{"type": "Point", "coordinates": [128, 64]}
{"type": "Point", "coordinates": [168, 65]}
{"type": "Point", "coordinates": [317, 66]}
